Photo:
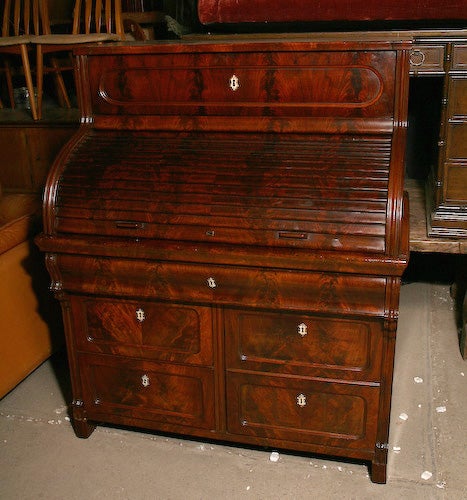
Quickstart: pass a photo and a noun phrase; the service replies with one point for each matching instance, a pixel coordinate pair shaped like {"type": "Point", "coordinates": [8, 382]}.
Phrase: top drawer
{"type": "Point", "coordinates": [427, 59]}
{"type": "Point", "coordinates": [345, 84]}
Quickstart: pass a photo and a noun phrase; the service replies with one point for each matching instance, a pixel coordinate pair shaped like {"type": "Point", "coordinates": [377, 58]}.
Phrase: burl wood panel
{"type": "Point", "coordinates": [286, 289]}
{"type": "Point", "coordinates": [282, 83]}
{"type": "Point", "coordinates": [299, 344]}
{"type": "Point", "coordinates": [168, 393]}
{"type": "Point", "coordinates": [152, 330]}
{"type": "Point", "coordinates": [303, 410]}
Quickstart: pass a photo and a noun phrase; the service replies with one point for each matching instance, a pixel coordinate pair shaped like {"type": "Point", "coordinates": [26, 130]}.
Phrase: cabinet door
{"type": "Point", "coordinates": [152, 330]}
{"type": "Point", "coordinates": [117, 389]}
{"type": "Point", "coordinates": [300, 344]}
{"type": "Point", "coordinates": [303, 410]}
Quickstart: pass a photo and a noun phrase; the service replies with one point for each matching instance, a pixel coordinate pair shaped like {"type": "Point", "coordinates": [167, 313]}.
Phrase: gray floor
{"type": "Point", "coordinates": [41, 458]}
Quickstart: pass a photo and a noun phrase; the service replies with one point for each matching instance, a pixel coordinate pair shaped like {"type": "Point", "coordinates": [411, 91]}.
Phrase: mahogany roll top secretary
{"type": "Point", "coordinates": [226, 234]}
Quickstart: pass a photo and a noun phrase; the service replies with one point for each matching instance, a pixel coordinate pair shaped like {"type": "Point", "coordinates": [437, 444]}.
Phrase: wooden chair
{"type": "Point", "coordinates": [94, 21]}
{"type": "Point", "coordinates": [20, 21]}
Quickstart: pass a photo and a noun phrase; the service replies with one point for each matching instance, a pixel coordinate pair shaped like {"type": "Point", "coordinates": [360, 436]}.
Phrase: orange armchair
{"type": "Point", "coordinates": [29, 319]}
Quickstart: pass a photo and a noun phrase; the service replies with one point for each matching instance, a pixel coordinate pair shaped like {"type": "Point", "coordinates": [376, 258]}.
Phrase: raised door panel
{"type": "Point", "coordinates": [302, 410]}
{"type": "Point", "coordinates": [152, 330]}
{"type": "Point", "coordinates": [457, 141]}
{"type": "Point", "coordinates": [303, 345]}
{"type": "Point", "coordinates": [456, 184]}
{"type": "Point", "coordinates": [457, 104]}
{"type": "Point", "coordinates": [459, 57]}
{"type": "Point", "coordinates": [147, 391]}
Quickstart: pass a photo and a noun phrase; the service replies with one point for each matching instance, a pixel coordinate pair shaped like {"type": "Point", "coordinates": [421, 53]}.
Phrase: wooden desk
{"type": "Point", "coordinates": [227, 234]}
{"type": "Point", "coordinates": [444, 54]}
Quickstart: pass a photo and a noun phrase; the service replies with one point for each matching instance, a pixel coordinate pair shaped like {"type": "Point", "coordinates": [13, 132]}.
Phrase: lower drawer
{"type": "Point", "coordinates": [303, 410]}
{"type": "Point", "coordinates": [173, 394]}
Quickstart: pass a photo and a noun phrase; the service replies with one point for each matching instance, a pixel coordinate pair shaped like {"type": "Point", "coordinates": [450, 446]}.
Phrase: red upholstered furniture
{"type": "Point", "coordinates": [244, 11]}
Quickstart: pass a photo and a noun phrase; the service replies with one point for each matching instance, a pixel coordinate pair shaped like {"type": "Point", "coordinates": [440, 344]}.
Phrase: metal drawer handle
{"type": "Point", "coordinates": [301, 400]}
{"type": "Point", "coordinates": [234, 82]}
{"type": "Point", "coordinates": [145, 382]}
{"type": "Point", "coordinates": [302, 329]}
{"type": "Point", "coordinates": [417, 57]}
{"type": "Point", "coordinates": [140, 315]}
{"type": "Point", "coordinates": [129, 224]}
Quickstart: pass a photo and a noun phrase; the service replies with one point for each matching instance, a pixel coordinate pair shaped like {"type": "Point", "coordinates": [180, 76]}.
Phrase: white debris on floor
{"type": "Point", "coordinates": [274, 457]}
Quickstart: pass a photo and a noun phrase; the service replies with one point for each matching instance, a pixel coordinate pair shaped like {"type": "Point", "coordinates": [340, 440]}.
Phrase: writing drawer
{"type": "Point", "coordinates": [166, 332]}
{"type": "Point", "coordinates": [301, 410]}
{"type": "Point", "coordinates": [427, 59]}
{"type": "Point", "coordinates": [159, 392]}
{"type": "Point", "coordinates": [303, 344]}
{"type": "Point", "coordinates": [236, 83]}
{"type": "Point", "coordinates": [216, 284]}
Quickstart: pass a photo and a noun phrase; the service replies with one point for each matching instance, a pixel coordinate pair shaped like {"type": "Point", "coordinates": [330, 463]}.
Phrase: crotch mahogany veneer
{"type": "Point", "coordinates": [226, 234]}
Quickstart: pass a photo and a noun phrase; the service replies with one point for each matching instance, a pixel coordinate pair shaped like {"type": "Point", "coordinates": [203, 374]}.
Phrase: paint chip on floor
{"type": "Point", "coordinates": [274, 457]}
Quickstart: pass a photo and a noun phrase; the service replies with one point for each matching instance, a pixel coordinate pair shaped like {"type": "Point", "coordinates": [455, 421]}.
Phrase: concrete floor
{"type": "Point", "coordinates": [41, 458]}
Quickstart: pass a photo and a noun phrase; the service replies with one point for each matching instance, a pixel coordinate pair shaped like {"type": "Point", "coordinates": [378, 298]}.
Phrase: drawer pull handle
{"type": "Point", "coordinates": [234, 82]}
{"type": "Point", "coordinates": [145, 381]}
{"type": "Point", "coordinates": [211, 283]}
{"type": "Point", "coordinates": [417, 57]}
{"type": "Point", "coordinates": [292, 235]}
{"type": "Point", "coordinates": [301, 400]}
{"type": "Point", "coordinates": [128, 224]}
{"type": "Point", "coordinates": [140, 315]}
{"type": "Point", "coordinates": [302, 329]}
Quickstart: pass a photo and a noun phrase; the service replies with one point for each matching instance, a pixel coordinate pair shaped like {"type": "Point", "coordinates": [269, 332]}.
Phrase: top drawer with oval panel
{"type": "Point", "coordinates": [292, 83]}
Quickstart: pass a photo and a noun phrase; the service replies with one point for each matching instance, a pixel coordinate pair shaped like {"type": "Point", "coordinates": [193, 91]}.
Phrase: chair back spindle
{"type": "Point", "coordinates": [20, 17]}
{"type": "Point", "coordinates": [97, 16]}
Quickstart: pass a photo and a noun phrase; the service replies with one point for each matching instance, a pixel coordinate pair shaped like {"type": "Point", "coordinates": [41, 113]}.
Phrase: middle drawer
{"type": "Point", "coordinates": [306, 345]}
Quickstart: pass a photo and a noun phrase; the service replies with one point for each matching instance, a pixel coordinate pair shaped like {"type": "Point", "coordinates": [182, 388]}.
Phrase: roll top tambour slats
{"type": "Point", "coordinates": [219, 188]}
